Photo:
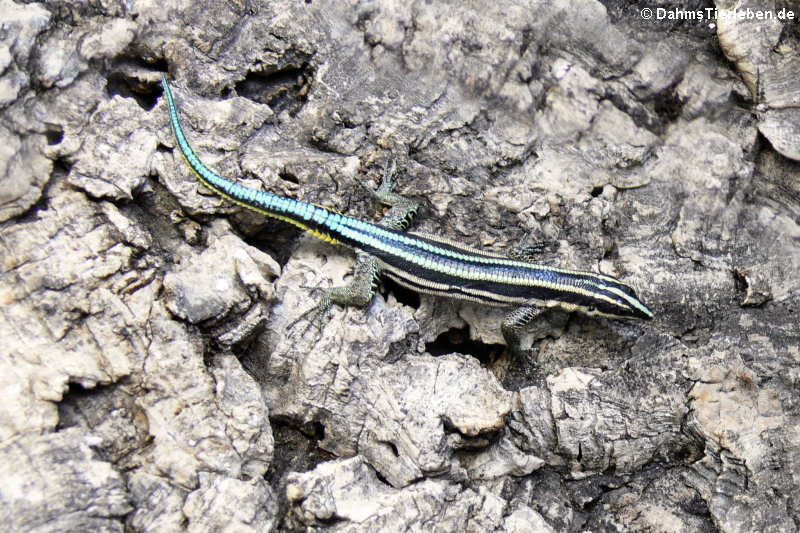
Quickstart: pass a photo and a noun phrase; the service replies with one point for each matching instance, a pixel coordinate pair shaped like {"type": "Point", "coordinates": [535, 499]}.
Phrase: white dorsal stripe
{"type": "Point", "coordinates": [418, 284]}
{"type": "Point", "coordinates": [433, 255]}
{"type": "Point", "coordinates": [490, 275]}
{"type": "Point", "coordinates": [467, 253]}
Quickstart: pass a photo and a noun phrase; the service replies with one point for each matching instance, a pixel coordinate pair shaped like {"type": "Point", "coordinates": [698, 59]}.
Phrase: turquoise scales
{"type": "Point", "coordinates": [426, 263]}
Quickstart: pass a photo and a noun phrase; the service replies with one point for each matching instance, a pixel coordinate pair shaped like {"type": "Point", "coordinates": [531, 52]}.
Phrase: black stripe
{"type": "Point", "coordinates": [453, 291]}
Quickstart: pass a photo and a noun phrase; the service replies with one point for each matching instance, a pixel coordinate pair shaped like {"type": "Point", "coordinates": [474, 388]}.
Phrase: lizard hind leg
{"type": "Point", "coordinates": [361, 289]}
{"type": "Point", "coordinates": [402, 209]}
{"type": "Point", "coordinates": [358, 293]}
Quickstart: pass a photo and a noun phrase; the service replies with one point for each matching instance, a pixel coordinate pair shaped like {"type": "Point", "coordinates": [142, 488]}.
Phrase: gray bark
{"type": "Point", "coordinates": [155, 370]}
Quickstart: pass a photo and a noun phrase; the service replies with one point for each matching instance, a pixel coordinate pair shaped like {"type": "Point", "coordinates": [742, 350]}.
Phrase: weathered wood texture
{"type": "Point", "coordinates": [152, 374]}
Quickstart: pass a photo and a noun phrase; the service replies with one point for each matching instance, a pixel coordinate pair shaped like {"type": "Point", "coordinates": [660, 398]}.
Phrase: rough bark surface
{"type": "Point", "coordinates": [156, 369]}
